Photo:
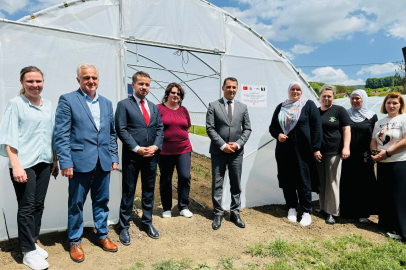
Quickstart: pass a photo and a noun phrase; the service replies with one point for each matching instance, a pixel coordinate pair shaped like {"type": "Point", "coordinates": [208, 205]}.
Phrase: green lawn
{"type": "Point", "coordinates": [198, 130]}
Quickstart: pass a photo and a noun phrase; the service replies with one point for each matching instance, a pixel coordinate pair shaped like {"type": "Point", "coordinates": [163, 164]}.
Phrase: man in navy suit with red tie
{"type": "Point", "coordinates": [139, 127]}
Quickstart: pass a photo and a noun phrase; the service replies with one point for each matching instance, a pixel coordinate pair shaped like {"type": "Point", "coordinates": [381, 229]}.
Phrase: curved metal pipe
{"type": "Point", "coordinates": [172, 74]}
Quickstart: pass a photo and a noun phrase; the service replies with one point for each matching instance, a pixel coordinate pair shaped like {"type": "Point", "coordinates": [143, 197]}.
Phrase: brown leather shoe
{"type": "Point", "coordinates": [76, 253]}
{"type": "Point", "coordinates": [107, 245]}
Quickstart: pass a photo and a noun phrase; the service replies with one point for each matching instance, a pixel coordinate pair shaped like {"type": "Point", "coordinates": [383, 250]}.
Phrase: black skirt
{"type": "Point", "coordinates": [392, 187]}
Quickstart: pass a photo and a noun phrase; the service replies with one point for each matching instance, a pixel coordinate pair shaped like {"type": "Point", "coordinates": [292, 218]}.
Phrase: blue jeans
{"type": "Point", "coordinates": [97, 181]}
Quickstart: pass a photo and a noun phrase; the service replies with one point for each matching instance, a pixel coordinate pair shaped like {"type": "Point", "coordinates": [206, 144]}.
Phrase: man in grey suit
{"type": "Point", "coordinates": [228, 126]}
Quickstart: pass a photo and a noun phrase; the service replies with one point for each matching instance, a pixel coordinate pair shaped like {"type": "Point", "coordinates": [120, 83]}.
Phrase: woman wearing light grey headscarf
{"type": "Point", "coordinates": [358, 182]}
{"type": "Point", "coordinates": [296, 127]}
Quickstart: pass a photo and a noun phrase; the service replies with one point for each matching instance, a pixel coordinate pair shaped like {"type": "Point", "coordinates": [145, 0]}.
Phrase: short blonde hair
{"type": "Point", "coordinates": [393, 95]}
{"type": "Point", "coordinates": [328, 87]}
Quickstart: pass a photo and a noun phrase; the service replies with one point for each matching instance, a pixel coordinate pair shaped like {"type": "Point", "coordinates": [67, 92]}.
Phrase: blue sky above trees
{"type": "Point", "coordinates": [321, 34]}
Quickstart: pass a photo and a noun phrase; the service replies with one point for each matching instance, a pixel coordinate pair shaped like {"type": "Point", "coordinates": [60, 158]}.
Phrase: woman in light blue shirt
{"type": "Point", "coordinates": [26, 138]}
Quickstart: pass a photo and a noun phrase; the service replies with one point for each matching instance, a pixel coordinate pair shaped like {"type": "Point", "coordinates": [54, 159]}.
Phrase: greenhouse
{"type": "Point", "coordinates": [190, 42]}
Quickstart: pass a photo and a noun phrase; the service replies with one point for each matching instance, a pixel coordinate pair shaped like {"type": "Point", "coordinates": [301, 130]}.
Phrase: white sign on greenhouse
{"type": "Point", "coordinates": [191, 42]}
{"type": "Point", "coordinates": [254, 95]}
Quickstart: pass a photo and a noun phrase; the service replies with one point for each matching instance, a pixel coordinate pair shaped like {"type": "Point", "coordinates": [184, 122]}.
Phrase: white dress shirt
{"type": "Point", "coordinates": [145, 104]}
{"type": "Point", "coordinates": [94, 108]}
{"type": "Point", "coordinates": [146, 108]}
{"type": "Point", "coordinates": [232, 112]}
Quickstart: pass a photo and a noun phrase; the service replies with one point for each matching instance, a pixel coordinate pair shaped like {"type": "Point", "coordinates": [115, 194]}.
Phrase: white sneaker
{"type": "Point", "coordinates": [35, 261]}
{"type": "Point", "coordinates": [186, 213]}
{"type": "Point", "coordinates": [292, 215]}
{"type": "Point", "coordinates": [167, 214]}
{"type": "Point", "coordinates": [394, 235]}
{"type": "Point", "coordinates": [363, 220]}
{"type": "Point", "coordinates": [41, 252]}
{"type": "Point", "coordinates": [306, 219]}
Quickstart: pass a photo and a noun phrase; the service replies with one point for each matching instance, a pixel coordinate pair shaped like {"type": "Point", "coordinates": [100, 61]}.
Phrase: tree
{"type": "Point", "coordinates": [400, 77]}
{"type": "Point", "coordinates": [340, 89]}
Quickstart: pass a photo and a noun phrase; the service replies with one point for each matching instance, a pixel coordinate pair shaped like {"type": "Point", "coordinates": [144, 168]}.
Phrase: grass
{"type": "Point", "coordinates": [172, 265]}
{"type": "Point", "coordinates": [198, 130]}
{"type": "Point", "coordinates": [348, 252]}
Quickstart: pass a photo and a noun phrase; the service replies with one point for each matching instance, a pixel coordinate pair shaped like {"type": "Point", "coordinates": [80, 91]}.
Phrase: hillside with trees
{"type": "Point", "coordinates": [374, 83]}
{"type": "Point", "coordinates": [373, 86]}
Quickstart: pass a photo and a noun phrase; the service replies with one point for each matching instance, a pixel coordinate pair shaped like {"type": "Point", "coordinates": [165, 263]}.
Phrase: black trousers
{"type": "Point", "coordinates": [391, 178]}
{"type": "Point", "coordinates": [131, 169]}
{"type": "Point", "coordinates": [31, 198]}
{"type": "Point", "coordinates": [293, 196]}
{"type": "Point", "coordinates": [219, 164]}
{"type": "Point", "coordinates": [167, 164]}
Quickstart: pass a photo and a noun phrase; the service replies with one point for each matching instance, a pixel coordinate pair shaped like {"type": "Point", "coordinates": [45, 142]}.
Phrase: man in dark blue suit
{"type": "Point", "coordinates": [86, 145]}
{"type": "Point", "coordinates": [139, 127]}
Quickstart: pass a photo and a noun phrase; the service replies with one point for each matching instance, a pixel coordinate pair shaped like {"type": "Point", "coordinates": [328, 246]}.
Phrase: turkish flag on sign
{"type": "Point", "coordinates": [245, 88]}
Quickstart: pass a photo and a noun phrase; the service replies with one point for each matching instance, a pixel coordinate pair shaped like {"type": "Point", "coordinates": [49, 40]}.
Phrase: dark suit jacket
{"type": "Point", "coordinates": [221, 131]}
{"type": "Point", "coordinates": [78, 142]}
{"type": "Point", "coordinates": [132, 129]}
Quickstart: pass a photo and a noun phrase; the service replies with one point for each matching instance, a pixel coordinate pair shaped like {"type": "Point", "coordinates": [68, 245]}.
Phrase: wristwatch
{"type": "Point", "coordinates": [387, 154]}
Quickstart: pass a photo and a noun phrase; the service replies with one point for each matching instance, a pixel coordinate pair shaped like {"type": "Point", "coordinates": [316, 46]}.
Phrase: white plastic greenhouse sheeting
{"type": "Point", "coordinates": [192, 25]}
{"type": "Point", "coordinates": [57, 54]}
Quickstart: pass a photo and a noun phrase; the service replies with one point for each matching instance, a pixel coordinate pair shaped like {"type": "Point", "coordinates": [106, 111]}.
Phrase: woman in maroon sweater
{"type": "Point", "coordinates": [176, 150]}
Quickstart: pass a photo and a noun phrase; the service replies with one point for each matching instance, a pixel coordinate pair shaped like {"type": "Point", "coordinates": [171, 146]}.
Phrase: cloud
{"type": "Point", "coordinates": [302, 49]}
{"type": "Point", "coordinates": [11, 6]}
{"type": "Point", "coordinates": [378, 69]}
{"type": "Point", "coordinates": [331, 76]}
{"type": "Point", "coordinates": [397, 30]}
{"type": "Point", "coordinates": [315, 21]}
{"type": "Point", "coordinates": [2, 16]}
{"type": "Point", "coordinates": [297, 49]}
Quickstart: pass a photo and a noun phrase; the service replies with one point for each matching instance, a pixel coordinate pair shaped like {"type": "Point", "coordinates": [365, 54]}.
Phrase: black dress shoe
{"type": "Point", "coordinates": [150, 230]}
{"type": "Point", "coordinates": [125, 237]}
{"type": "Point", "coordinates": [330, 219]}
{"type": "Point", "coordinates": [217, 222]}
{"type": "Point", "coordinates": [235, 218]}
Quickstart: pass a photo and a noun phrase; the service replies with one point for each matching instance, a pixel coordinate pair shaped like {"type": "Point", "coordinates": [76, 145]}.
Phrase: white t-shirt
{"type": "Point", "coordinates": [388, 132]}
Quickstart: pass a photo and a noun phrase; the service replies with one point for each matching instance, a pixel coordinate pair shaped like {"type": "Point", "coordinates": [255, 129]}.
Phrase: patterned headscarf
{"type": "Point", "coordinates": [290, 111]}
{"type": "Point", "coordinates": [360, 114]}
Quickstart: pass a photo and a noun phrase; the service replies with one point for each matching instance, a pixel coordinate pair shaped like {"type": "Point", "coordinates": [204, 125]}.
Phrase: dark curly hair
{"type": "Point", "coordinates": [169, 89]}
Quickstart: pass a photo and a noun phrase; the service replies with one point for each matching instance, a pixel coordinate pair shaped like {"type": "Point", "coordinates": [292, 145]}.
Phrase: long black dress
{"type": "Point", "coordinates": [358, 181]}
{"type": "Point", "coordinates": [295, 160]}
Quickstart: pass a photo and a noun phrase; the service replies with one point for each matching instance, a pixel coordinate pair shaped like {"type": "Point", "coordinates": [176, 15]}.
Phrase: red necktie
{"type": "Point", "coordinates": [144, 112]}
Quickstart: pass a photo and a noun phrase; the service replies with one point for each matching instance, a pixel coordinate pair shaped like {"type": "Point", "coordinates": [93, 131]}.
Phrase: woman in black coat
{"type": "Point", "coordinates": [296, 126]}
{"type": "Point", "coordinates": [358, 181]}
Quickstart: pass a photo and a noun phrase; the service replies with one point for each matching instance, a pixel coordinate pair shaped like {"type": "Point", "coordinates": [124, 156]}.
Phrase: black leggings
{"type": "Point", "coordinates": [392, 187]}
{"type": "Point", "coordinates": [31, 198]}
{"type": "Point", "coordinates": [167, 164]}
{"type": "Point", "coordinates": [293, 196]}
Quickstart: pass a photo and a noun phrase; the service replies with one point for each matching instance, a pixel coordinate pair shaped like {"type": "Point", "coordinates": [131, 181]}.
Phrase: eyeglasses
{"type": "Point", "coordinates": [175, 93]}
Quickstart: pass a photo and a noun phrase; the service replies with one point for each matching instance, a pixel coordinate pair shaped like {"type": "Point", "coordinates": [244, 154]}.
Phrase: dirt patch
{"type": "Point", "coordinates": [192, 238]}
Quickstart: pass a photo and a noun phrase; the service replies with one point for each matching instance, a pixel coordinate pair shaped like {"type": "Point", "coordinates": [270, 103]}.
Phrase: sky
{"type": "Point", "coordinates": [338, 42]}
